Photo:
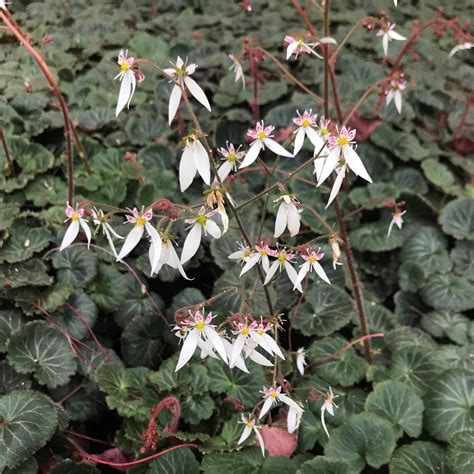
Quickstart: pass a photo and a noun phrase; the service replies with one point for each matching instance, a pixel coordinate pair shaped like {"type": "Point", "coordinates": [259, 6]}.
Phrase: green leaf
{"type": "Point", "coordinates": [462, 257]}
{"type": "Point", "coordinates": [10, 321]}
{"type": "Point", "coordinates": [8, 212]}
{"type": "Point", "coordinates": [179, 461]}
{"type": "Point", "coordinates": [327, 309]}
{"type": "Point", "coordinates": [76, 266]}
{"type": "Point", "coordinates": [30, 273]}
{"type": "Point", "coordinates": [374, 195]}
{"type": "Point", "coordinates": [30, 466]}
{"type": "Point", "coordinates": [364, 438]}
{"type": "Point", "coordinates": [28, 419]}
{"type": "Point", "coordinates": [70, 467]}
{"type": "Point", "coordinates": [457, 218]}
{"type": "Point", "coordinates": [143, 130]}
{"type": "Point", "coordinates": [149, 46]}
{"type": "Point", "coordinates": [12, 380]}
{"type": "Point", "coordinates": [324, 465]}
{"type": "Point", "coordinates": [399, 404]}
{"type": "Point", "coordinates": [47, 190]}
{"type": "Point", "coordinates": [419, 457]}
{"type": "Point", "coordinates": [448, 292]}
{"type": "Point", "coordinates": [445, 324]}
{"type": "Point", "coordinates": [235, 383]}
{"type": "Point", "coordinates": [345, 370]}
{"type": "Point", "coordinates": [197, 408]}
{"type": "Point", "coordinates": [411, 276]}
{"type": "Point", "coordinates": [461, 452]}
{"type": "Point", "coordinates": [417, 367]}
{"type": "Point", "coordinates": [450, 403]}
{"type": "Point", "coordinates": [108, 289]}
{"type": "Point", "coordinates": [373, 238]}
{"type": "Point", "coordinates": [409, 180]}
{"type": "Point", "coordinates": [427, 248]}
{"type": "Point", "coordinates": [309, 431]}
{"type": "Point", "coordinates": [438, 173]}
{"type": "Point", "coordinates": [39, 348]}
{"type": "Point", "coordinates": [31, 157]}
{"type": "Point", "coordinates": [246, 461]}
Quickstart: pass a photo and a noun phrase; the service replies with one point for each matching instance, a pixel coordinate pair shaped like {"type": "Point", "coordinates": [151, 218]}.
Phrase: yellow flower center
{"type": "Point", "coordinates": [324, 131]}
{"type": "Point", "coordinates": [124, 67]}
{"type": "Point", "coordinates": [281, 258]}
{"type": "Point", "coordinates": [200, 325]}
{"type": "Point", "coordinates": [312, 259]}
{"type": "Point", "coordinates": [140, 220]}
{"type": "Point", "coordinates": [343, 141]}
{"type": "Point", "coordinates": [263, 252]}
{"type": "Point", "coordinates": [261, 135]}
{"type": "Point", "coordinates": [245, 331]}
{"type": "Point", "coordinates": [273, 395]}
{"type": "Point", "coordinates": [232, 157]}
{"type": "Point", "coordinates": [260, 332]}
{"type": "Point", "coordinates": [201, 220]}
{"type": "Point", "coordinates": [246, 253]}
{"type": "Point", "coordinates": [74, 217]}
{"type": "Point", "coordinates": [249, 424]}
{"type": "Point", "coordinates": [306, 123]}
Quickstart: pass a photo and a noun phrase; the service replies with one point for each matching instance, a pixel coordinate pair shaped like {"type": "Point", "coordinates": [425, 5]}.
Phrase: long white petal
{"type": "Point", "coordinates": [291, 49]}
{"type": "Point", "coordinates": [389, 97]}
{"type": "Point", "coordinates": [293, 276]}
{"type": "Point", "coordinates": [175, 99]}
{"type": "Point", "coordinates": [320, 272]}
{"type": "Point", "coordinates": [265, 263]}
{"type": "Point", "coordinates": [216, 341]}
{"type": "Point", "coordinates": [390, 228]}
{"type": "Point", "coordinates": [131, 241]}
{"type": "Point", "coordinates": [271, 272]}
{"type": "Point", "coordinates": [225, 170]}
{"type": "Point", "coordinates": [191, 244]}
{"type": "Point", "coordinates": [187, 169]}
{"type": "Point", "coordinates": [110, 239]}
{"type": "Point", "coordinates": [323, 421]}
{"type": "Point", "coordinates": [260, 441]}
{"type": "Point", "coordinates": [259, 359]}
{"type": "Point", "coordinates": [239, 361]}
{"type": "Point", "coordinates": [276, 148]}
{"type": "Point", "coordinates": [314, 138]}
{"type": "Point", "coordinates": [330, 164]}
{"type": "Point", "coordinates": [293, 220]}
{"type": "Point", "coordinates": [251, 262]}
{"type": "Point", "coordinates": [266, 407]}
{"type": "Point", "coordinates": [291, 403]}
{"type": "Point", "coordinates": [302, 273]}
{"type": "Point", "coordinates": [300, 365]}
{"type": "Point", "coordinates": [281, 220]}
{"type": "Point", "coordinates": [245, 434]}
{"type": "Point", "coordinates": [385, 39]}
{"type": "Point", "coordinates": [337, 185]}
{"type": "Point", "coordinates": [273, 345]}
{"type": "Point", "coordinates": [156, 245]}
{"type": "Point", "coordinates": [213, 229]}
{"type": "Point", "coordinates": [125, 93]}
{"type": "Point", "coordinates": [398, 101]}
{"type": "Point", "coordinates": [197, 92]}
{"type": "Point", "coordinates": [237, 347]}
{"type": "Point", "coordinates": [291, 420]}
{"type": "Point", "coordinates": [201, 161]}
{"type": "Point", "coordinates": [86, 230]}
{"type": "Point", "coordinates": [261, 342]}
{"type": "Point", "coordinates": [299, 140]}
{"type": "Point", "coordinates": [252, 154]}
{"type": "Point", "coordinates": [188, 349]}
{"type": "Point", "coordinates": [396, 36]}
{"type": "Point", "coordinates": [174, 262]}
{"type": "Point", "coordinates": [318, 166]}
{"type": "Point", "coordinates": [355, 163]}
{"type": "Point", "coordinates": [70, 235]}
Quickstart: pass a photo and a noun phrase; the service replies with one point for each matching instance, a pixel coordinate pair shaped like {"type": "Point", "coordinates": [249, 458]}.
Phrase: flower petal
{"type": "Point", "coordinates": [271, 272]}
{"type": "Point", "coordinates": [293, 220]}
{"type": "Point", "coordinates": [86, 230]}
{"type": "Point", "coordinates": [385, 40]}
{"type": "Point", "coordinates": [299, 140]}
{"type": "Point", "coordinates": [252, 154]}
{"type": "Point", "coordinates": [201, 161]}
{"type": "Point", "coordinates": [281, 220]}
{"type": "Point", "coordinates": [245, 434]}
{"type": "Point", "coordinates": [154, 252]}
{"type": "Point", "coordinates": [396, 36]}
{"type": "Point", "coordinates": [259, 359]}
{"type": "Point", "coordinates": [330, 164]}
{"type": "Point", "coordinates": [225, 170]}
{"type": "Point", "coordinates": [323, 421]}
{"type": "Point", "coordinates": [291, 403]}
{"type": "Point", "coordinates": [293, 276]}
{"type": "Point", "coordinates": [251, 262]}
{"type": "Point", "coordinates": [302, 273]}
{"type": "Point", "coordinates": [273, 345]}
{"type": "Point", "coordinates": [355, 163]}
{"type": "Point", "coordinates": [237, 347]}
{"type": "Point", "coordinates": [320, 272]}
{"type": "Point", "coordinates": [216, 341]}
{"type": "Point", "coordinates": [337, 184]}
{"type": "Point", "coordinates": [191, 244]}
{"type": "Point", "coordinates": [188, 349]}
{"type": "Point", "coordinates": [175, 99]}
{"type": "Point", "coordinates": [125, 93]}
{"type": "Point", "coordinates": [315, 139]}
{"type": "Point", "coordinates": [266, 407]}
{"type": "Point", "coordinates": [260, 441]}
{"type": "Point", "coordinates": [276, 148]}
{"type": "Point", "coordinates": [187, 169]}
{"type": "Point", "coordinates": [197, 92]}
{"type": "Point", "coordinates": [213, 229]}
{"type": "Point", "coordinates": [70, 234]}
{"type": "Point", "coordinates": [398, 101]}
{"type": "Point", "coordinates": [131, 241]}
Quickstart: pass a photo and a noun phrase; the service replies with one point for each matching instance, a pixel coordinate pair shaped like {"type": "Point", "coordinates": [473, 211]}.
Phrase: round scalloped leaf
{"type": "Point", "coordinates": [427, 248]}
{"type": "Point", "coordinates": [39, 348]}
{"type": "Point", "coordinates": [438, 173]}
{"type": "Point", "coordinates": [10, 321]}
{"type": "Point", "coordinates": [363, 438]}
{"type": "Point", "coordinates": [373, 195]}
{"type": "Point", "coordinates": [32, 158]}
{"type": "Point", "coordinates": [24, 242]}
{"type": "Point", "coordinates": [46, 190]}
{"type": "Point", "coordinates": [179, 461]}
{"type": "Point", "coordinates": [417, 367]}
{"type": "Point", "coordinates": [399, 404]}
{"type": "Point", "coordinates": [419, 457]}
{"type": "Point", "coordinates": [373, 238]}
{"type": "Point", "coordinates": [76, 315]}
{"type": "Point", "coordinates": [448, 292]}
{"type": "Point", "coordinates": [379, 318]}
{"type": "Point", "coordinates": [247, 461]}
{"type": "Point", "coordinates": [462, 257]}
{"type": "Point", "coordinates": [11, 380]}
{"type": "Point", "coordinates": [457, 218]}
{"type": "Point", "coordinates": [327, 309]}
{"type": "Point", "coordinates": [142, 341]}
{"type": "Point", "coordinates": [235, 383]}
{"type": "Point", "coordinates": [324, 464]}
{"type": "Point", "coordinates": [30, 466]}
{"type": "Point", "coordinates": [409, 180]}
{"type": "Point", "coordinates": [461, 452]}
{"type": "Point", "coordinates": [458, 357]}
{"type": "Point", "coordinates": [195, 409]}
{"type": "Point", "coordinates": [411, 276]}
{"type": "Point", "coordinates": [346, 369]}
{"type": "Point", "coordinates": [76, 266]}
{"type": "Point", "coordinates": [28, 419]}
{"type": "Point", "coordinates": [445, 324]}
{"type": "Point", "coordinates": [450, 403]}
{"type": "Point", "coordinates": [109, 289]}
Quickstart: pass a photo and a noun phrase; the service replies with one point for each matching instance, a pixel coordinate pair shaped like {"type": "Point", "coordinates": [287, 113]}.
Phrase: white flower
{"type": "Point", "coordinates": [250, 425]}
{"type": "Point", "coordinates": [328, 406]}
{"type": "Point", "coordinates": [232, 158]}
{"type": "Point", "coordinates": [169, 257]}
{"type": "Point", "coordinates": [395, 94]}
{"type": "Point", "coordinates": [293, 418]}
{"type": "Point", "coordinates": [395, 2]}
{"type": "Point", "coordinates": [460, 47]}
{"type": "Point", "coordinates": [301, 360]}
{"type": "Point", "coordinates": [388, 34]}
{"type": "Point", "coordinates": [311, 263]}
{"type": "Point", "coordinates": [181, 72]}
{"type": "Point", "coordinates": [287, 216]}
{"type": "Point", "coordinates": [202, 223]}
{"type": "Point", "coordinates": [3, 4]}
{"type": "Point", "coordinates": [297, 46]}
{"type": "Point", "coordinates": [194, 159]}
{"type": "Point", "coordinates": [323, 132]}
{"type": "Point", "coordinates": [397, 219]}
{"type": "Point", "coordinates": [342, 155]}
{"type": "Point", "coordinates": [128, 76]}
{"type": "Point", "coordinates": [99, 219]}
{"type": "Point", "coordinates": [262, 137]}
{"type": "Point", "coordinates": [237, 68]}
{"type": "Point", "coordinates": [77, 222]}
{"type": "Point", "coordinates": [283, 259]}
{"type": "Point", "coordinates": [243, 254]}
{"type": "Point", "coordinates": [142, 221]}
{"type": "Point", "coordinates": [272, 396]}
{"type": "Point", "coordinates": [306, 127]}
{"type": "Point", "coordinates": [253, 334]}
{"type": "Point", "coordinates": [260, 256]}
{"type": "Point", "coordinates": [334, 242]}
{"type": "Point", "coordinates": [198, 328]}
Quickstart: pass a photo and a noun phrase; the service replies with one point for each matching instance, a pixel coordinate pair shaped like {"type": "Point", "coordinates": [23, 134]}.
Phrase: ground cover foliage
{"type": "Point", "coordinates": [83, 350]}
